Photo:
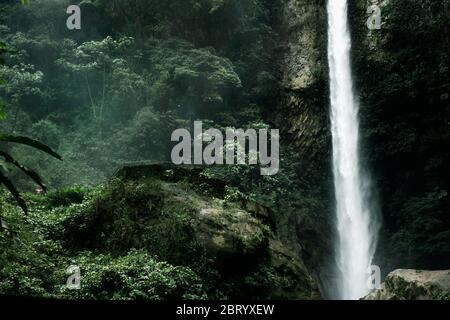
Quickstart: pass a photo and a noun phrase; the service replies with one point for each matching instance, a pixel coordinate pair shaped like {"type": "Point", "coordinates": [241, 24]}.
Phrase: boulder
{"type": "Point", "coordinates": [181, 216]}
{"type": "Point", "coordinates": [413, 285]}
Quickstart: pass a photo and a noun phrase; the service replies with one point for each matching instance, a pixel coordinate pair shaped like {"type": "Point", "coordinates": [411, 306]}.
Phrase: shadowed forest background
{"type": "Point", "coordinates": [112, 93]}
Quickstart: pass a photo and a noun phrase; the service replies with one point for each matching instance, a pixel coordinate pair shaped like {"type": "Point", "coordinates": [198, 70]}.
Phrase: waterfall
{"type": "Point", "coordinates": [357, 236]}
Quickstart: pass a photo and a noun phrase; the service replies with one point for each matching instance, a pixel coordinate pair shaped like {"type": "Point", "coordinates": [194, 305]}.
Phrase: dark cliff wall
{"type": "Point", "coordinates": [303, 108]}
{"type": "Point", "coordinates": [302, 116]}
{"type": "Point", "coordinates": [402, 81]}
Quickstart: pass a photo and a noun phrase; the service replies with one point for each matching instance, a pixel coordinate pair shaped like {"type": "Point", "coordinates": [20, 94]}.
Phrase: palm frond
{"type": "Point", "coordinates": [12, 189]}
{"type": "Point", "coordinates": [31, 173]}
{"type": "Point", "coordinates": [29, 142]}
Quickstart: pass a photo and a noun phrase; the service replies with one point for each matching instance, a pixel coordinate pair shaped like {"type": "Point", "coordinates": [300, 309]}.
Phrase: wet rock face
{"type": "Point", "coordinates": [302, 114]}
{"type": "Point", "coordinates": [302, 111]}
{"type": "Point", "coordinates": [303, 61]}
{"type": "Point", "coordinates": [414, 285]}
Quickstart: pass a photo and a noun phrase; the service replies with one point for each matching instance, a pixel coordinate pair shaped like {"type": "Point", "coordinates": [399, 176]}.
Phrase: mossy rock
{"type": "Point", "coordinates": [172, 173]}
{"type": "Point", "coordinates": [414, 285]}
{"type": "Point", "coordinates": [161, 211]}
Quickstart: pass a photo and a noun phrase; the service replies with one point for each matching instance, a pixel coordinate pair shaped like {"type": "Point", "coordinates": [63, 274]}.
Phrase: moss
{"type": "Point", "coordinates": [65, 197]}
{"type": "Point", "coordinates": [437, 293]}
{"type": "Point", "coordinates": [212, 241]}
{"type": "Point", "coordinates": [403, 289]}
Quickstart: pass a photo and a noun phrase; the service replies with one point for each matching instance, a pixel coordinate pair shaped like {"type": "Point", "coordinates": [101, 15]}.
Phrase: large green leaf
{"type": "Point", "coordinates": [29, 142]}
{"type": "Point", "coordinates": [10, 186]}
{"type": "Point", "coordinates": [32, 174]}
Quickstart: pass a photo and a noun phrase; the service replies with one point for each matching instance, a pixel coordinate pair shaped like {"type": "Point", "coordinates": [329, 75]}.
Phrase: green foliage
{"type": "Point", "coordinates": [31, 264]}
{"type": "Point", "coordinates": [135, 276]}
{"type": "Point", "coordinates": [194, 80]}
{"type": "Point", "coordinates": [114, 92]}
{"type": "Point", "coordinates": [130, 81]}
{"type": "Point", "coordinates": [137, 241]}
{"type": "Point", "coordinates": [107, 76]}
{"type": "Point", "coordinates": [29, 142]}
{"type": "Point", "coordinates": [8, 159]}
{"type": "Point", "coordinates": [422, 235]}
{"type": "Point", "coordinates": [22, 85]}
{"type": "Point", "coordinates": [65, 197]}
{"type": "Point", "coordinates": [27, 262]}
{"type": "Point", "coordinates": [30, 173]}
{"type": "Point", "coordinates": [124, 216]}
{"type": "Point", "coordinates": [404, 82]}
{"type": "Point", "coordinates": [3, 50]}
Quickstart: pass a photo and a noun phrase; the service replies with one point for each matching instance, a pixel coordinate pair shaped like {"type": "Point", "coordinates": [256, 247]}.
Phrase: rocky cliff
{"type": "Point", "coordinates": [402, 82]}
{"type": "Point", "coordinates": [234, 236]}
{"type": "Point", "coordinates": [303, 107]}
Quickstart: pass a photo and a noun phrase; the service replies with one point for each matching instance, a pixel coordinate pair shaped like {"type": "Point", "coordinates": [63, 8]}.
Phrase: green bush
{"type": "Point", "coordinates": [65, 197]}
{"type": "Point", "coordinates": [135, 276]}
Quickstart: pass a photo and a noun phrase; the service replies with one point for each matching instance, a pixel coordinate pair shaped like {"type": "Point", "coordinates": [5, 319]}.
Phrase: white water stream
{"type": "Point", "coordinates": [357, 236]}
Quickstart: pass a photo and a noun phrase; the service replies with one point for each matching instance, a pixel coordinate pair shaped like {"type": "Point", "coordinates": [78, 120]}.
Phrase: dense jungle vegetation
{"type": "Point", "coordinates": [112, 93]}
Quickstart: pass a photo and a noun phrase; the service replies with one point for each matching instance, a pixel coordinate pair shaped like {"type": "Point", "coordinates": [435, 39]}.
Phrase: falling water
{"type": "Point", "coordinates": [356, 236]}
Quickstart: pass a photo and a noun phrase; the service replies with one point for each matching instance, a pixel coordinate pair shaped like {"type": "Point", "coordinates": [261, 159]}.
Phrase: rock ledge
{"type": "Point", "coordinates": [406, 284]}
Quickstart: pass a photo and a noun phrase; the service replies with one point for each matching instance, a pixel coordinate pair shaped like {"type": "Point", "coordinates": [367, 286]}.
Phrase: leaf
{"type": "Point", "coordinates": [29, 142]}
{"type": "Point", "coordinates": [12, 189]}
{"type": "Point", "coordinates": [32, 174]}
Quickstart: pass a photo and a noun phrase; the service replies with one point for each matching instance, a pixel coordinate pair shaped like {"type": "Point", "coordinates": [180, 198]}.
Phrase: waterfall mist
{"type": "Point", "coordinates": [356, 232]}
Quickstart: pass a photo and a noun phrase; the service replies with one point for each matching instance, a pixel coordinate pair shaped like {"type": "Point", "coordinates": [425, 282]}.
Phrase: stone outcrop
{"type": "Point", "coordinates": [414, 285]}
{"type": "Point", "coordinates": [303, 66]}
{"type": "Point", "coordinates": [182, 216]}
{"type": "Point", "coordinates": [303, 118]}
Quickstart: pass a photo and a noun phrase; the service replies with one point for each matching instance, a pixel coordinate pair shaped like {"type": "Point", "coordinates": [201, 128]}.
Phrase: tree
{"type": "Point", "coordinates": [193, 80]}
{"type": "Point", "coordinates": [105, 69]}
{"type": "Point", "coordinates": [6, 158]}
{"type": "Point", "coordinates": [3, 50]}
